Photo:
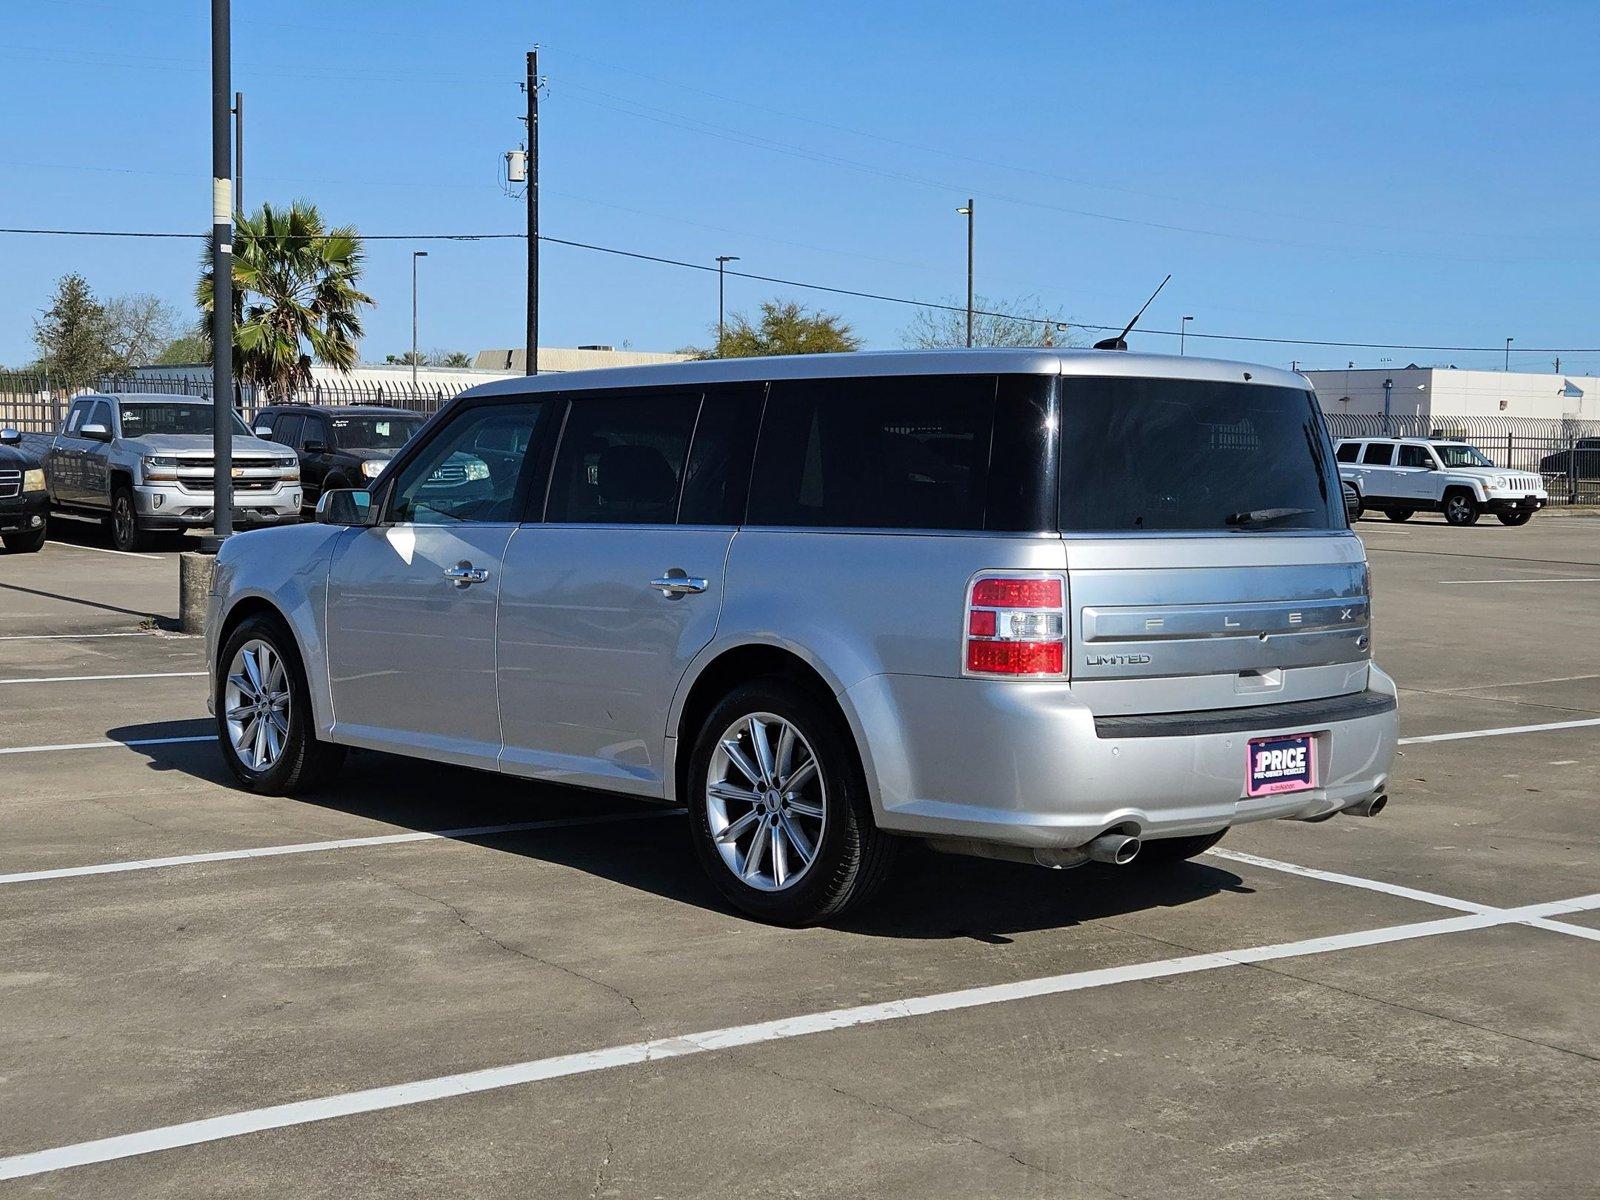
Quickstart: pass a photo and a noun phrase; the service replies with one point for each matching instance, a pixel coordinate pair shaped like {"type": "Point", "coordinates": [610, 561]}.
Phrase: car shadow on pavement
{"type": "Point", "coordinates": [929, 896]}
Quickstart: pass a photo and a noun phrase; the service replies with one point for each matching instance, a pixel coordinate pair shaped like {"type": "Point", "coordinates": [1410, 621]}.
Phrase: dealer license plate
{"type": "Point", "coordinates": [1281, 764]}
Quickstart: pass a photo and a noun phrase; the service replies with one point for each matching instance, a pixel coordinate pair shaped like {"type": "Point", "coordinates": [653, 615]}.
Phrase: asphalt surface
{"type": "Point", "coordinates": [1402, 1035]}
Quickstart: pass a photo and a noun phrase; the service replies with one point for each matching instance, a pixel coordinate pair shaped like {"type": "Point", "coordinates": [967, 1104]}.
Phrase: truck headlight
{"type": "Point", "coordinates": [477, 470]}
{"type": "Point", "coordinates": [373, 467]}
{"type": "Point", "coordinates": [290, 467]}
{"type": "Point", "coordinates": [159, 467]}
{"type": "Point", "coordinates": [1498, 483]}
{"type": "Point", "coordinates": [33, 480]}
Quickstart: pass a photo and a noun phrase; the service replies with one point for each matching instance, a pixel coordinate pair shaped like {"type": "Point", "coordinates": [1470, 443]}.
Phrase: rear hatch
{"type": "Point", "coordinates": [1210, 564]}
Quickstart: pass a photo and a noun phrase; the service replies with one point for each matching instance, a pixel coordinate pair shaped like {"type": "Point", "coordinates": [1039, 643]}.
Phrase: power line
{"type": "Point", "coordinates": [883, 297]}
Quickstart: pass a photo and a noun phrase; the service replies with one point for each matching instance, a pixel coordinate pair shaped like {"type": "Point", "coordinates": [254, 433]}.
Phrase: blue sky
{"type": "Point", "coordinates": [1420, 173]}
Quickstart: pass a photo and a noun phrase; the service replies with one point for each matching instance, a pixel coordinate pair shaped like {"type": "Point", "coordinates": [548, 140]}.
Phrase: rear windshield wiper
{"type": "Point", "coordinates": [1263, 516]}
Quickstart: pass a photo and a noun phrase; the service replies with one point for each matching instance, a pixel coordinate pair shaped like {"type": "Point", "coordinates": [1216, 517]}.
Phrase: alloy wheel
{"type": "Point", "coordinates": [256, 700]}
{"type": "Point", "coordinates": [766, 802]}
{"type": "Point", "coordinates": [122, 522]}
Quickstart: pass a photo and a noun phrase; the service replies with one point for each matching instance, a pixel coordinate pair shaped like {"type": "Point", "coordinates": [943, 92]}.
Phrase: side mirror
{"type": "Point", "coordinates": [314, 446]}
{"type": "Point", "coordinates": [347, 506]}
{"type": "Point", "coordinates": [95, 431]}
{"type": "Point", "coordinates": [263, 431]}
{"type": "Point", "coordinates": [10, 437]}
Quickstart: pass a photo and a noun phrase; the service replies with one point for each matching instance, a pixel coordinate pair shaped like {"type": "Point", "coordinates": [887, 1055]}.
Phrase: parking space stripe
{"type": "Point", "coordinates": [305, 1112]}
{"type": "Point", "coordinates": [387, 839]}
{"type": "Point", "coordinates": [104, 550]}
{"type": "Point", "coordinates": [73, 637]}
{"type": "Point", "coordinates": [167, 741]}
{"type": "Point", "coordinates": [1504, 732]}
{"type": "Point", "coordinates": [1463, 582]}
{"type": "Point", "coordinates": [97, 678]}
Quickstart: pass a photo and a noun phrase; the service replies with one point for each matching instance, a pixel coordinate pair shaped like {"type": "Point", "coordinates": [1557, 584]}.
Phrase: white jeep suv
{"type": "Point", "coordinates": [1402, 476]}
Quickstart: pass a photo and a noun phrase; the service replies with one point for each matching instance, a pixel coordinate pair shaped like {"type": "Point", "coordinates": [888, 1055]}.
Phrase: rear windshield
{"type": "Point", "coordinates": [374, 432]}
{"type": "Point", "coordinates": [139, 420]}
{"type": "Point", "coordinates": [1160, 455]}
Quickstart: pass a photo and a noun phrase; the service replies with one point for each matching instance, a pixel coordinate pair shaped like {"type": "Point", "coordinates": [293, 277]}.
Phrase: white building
{"type": "Point", "coordinates": [1421, 392]}
{"type": "Point", "coordinates": [555, 359]}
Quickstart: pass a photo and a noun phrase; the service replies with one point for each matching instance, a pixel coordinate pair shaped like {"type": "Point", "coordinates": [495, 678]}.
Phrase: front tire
{"type": "Point", "coordinates": [1168, 852]}
{"type": "Point", "coordinates": [1400, 514]}
{"type": "Point", "coordinates": [125, 532]}
{"type": "Point", "coordinates": [264, 718]}
{"type": "Point", "coordinates": [1521, 517]}
{"type": "Point", "coordinates": [779, 811]}
{"type": "Point", "coordinates": [1461, 509]}
{"type": "Point", "coordinates": [28, 542]}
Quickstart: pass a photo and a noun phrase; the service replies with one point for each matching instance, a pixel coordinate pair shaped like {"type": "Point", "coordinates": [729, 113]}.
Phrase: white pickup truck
{"type": "Point", "coordinates": [1402, 476]}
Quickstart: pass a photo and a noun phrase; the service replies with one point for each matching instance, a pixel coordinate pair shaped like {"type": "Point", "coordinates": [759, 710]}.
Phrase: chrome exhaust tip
{"type": "Point", "coordinates": [1118, 849]}
{"type": "Point", "coordinates": [1370, 806]}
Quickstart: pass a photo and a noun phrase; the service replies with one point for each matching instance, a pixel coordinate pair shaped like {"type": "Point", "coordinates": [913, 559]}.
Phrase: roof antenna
{"type": "Point", "coordinates": [1120, 342]}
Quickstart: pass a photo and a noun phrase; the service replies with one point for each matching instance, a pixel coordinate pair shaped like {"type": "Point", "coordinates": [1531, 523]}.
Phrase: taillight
{"type": "Point", "coordinates": [1016, 626]}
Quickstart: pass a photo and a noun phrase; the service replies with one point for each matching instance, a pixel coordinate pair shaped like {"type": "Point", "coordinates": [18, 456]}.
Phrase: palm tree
{"type": "Point", "coordinates": [295, 298]}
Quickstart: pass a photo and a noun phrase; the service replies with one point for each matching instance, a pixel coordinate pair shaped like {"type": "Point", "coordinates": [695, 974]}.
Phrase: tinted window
{"type": "Point", "coordinates": [287, 429]}
{"type": "Point", "coordinates": [474, 469]}
{"type": "Point", "coordinates": [1415, 456]}
{"type": "Point", "coordinates": [890, 453]}
{"type": "Point", "coordinates": [1349, 452]}
{"type": "Point", "coordinates": [316, 430]}
{"type": "Point", "coordinates": [100, 415]}
{"type": "Point", "coordinates": [379, 431]}
{"type": "Point", "coordinates": [621, 459]}
{"type": "Point", "coordinates": [1379, 454]}
{"type": "Point", "coordinates": [178, 417]}
{"type": "Point", "coordinates": [75, 417]}
{"type": "Point", "coordinates": [1154, 455]}
{"type": "Point", "coordinates": [718, 478]}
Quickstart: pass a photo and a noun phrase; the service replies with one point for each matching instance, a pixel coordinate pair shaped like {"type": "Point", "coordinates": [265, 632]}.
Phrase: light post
{"type": "Point", "coordinates": [722, 261]}
{"type": "Point", "coordinates": [1508, 353]}
{"type": "Point", "coordinates": [415, 254]}
{"type": "Point", "coordinates": [1388, 388]}
{"type": "Point", "coordinates": [1183, 328]}
{"type": "Point", "coordinates": [221, 276]}
{"type": "Point", "coordinates": [967, 213]}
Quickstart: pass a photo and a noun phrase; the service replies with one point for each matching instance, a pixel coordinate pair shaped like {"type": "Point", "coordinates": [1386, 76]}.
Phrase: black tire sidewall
{"type": "Point", "coordinates": [1471, 517]}
{"type": "Point", "coordinates": [26, 542]}
{"type": "Point", "coordinates": [279, 778]}
{"type": "Point", "coordinates": [122, 496]}
{"type": "Point", "coordinates": [826, 886]}
{"type": "Point", "coordinates": [1515, 518]}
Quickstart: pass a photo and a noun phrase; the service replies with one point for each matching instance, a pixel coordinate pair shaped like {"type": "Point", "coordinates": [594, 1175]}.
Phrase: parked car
{"type": "Point", "coordinates": [143, 464]}
{"type": "Point", "coordinates": [1036, 605]}
{"type": "Point", "coordinates": [339, 446]}
{"type": "Point", "coordinates": [23, 499]}
{"type": "Point", "coordinates": [1581, 461]}
{"type": "Point", "coordinates": [1400, 477]}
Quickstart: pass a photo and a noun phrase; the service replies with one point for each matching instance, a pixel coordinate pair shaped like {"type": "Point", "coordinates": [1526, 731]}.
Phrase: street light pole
{"type": "Point", "coordinates": [531, 349]}
{"type": "Point", "coordinates": [967, 212]}
{"type": "Point", "coordinates": [221, 276]}
{"type": "Point", "coordinates": [722, 261]}
{"type": "Point", "coordinates": [415, 254]}
{"type": "Point", "coordinates": [238, 151]}
{"type": "Point", "coordinates": [1388, 387]}
{"type": "Point", "coordinates": [1183, 328]}
{"type": "Point", "coordinates": [1508, 353]}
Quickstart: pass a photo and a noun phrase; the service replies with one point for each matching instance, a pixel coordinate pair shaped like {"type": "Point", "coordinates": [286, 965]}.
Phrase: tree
{"type": "Point", "coordinates": [295, 298]}
{"type": "Point", "coordinates": [450, 358]}
{"type": "Point", "coordinates": [409, 358]}
{"type": "Point", "coordinates": [189, 349]}
{"type": "Point", "coordinates": [140, 327]}
{"type": "Point", "coordinates": [1021, 322]}
{"type": "Point", "coordinates": [73, 335]}
{"type": "Point", "coordinates": [784, 328]}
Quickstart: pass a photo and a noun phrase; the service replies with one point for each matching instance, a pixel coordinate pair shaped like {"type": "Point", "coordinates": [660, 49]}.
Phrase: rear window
{"type": "Point", "coordinates": [1164, 455]}
{"type": "Point", "coordinates": [1379, 454]}
{"type": "Point", "coordinates": [963, 452]}
{"type": "Point", "coordinates": [1349, 451]}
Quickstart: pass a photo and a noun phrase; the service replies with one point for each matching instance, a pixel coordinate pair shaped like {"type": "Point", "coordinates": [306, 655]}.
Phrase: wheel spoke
{"type": "Point", "coordinates": [240, 713]}
{"type": "Point", "coordinates": [274, 743]}
{"type": "Point", "coordinates": [737, 829]}
{"type": "Point", "coordinates": [780, 855]}
{"type": "Point", "coordinates": [243, 685]}
{"type": "Point", "coordinates": [740, 759]}
{"type": "Point", "coordinates": [280, 722]}
{"type": "Point", "coordinates": [802, 775]}
{"type": "Point", "coordinates": [252, 670]}
{"type": "Point", "coordinates": [786, 744]}
{"type": "Point", "coordinates": [751, 862]}
{"type": "Point", "coordinates": [258, 745]}
{"type": "Point", "coordinates": [277, 685]}
{"type": "Point", "coordinates": [723, 790]}
{"type": "Point", "coordinates": [797, 837]}
{"type": "Point", "coordinates": [805, 808]}
{"type": "Point", "coordinates": [763, 747]}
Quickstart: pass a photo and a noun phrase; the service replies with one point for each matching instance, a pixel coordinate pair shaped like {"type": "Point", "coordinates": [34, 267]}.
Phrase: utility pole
{"type": "Point", "coordinates": [238, 152]}
{"type": "Point", "coordinates": [1388, 388]}
{"type": "Point", "coordinates": [221, 277]}
{"type": "Point", "coordinates": [1183, 328]}
{"type": "Point", "coordinates": [415, 254]}
{"type": "Point", "coordinates": [967, 212]}
{"type": "Point", "coordinates": [532, 88]}
{"type": "Point", "coordinates": [722, 261]}
{"type": "Point", "coordinates": [1508, 352]}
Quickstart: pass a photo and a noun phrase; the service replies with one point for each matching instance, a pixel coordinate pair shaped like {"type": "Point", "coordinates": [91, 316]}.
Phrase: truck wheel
{"type": "Point", "coordinates": [1515, 518]}
{"type": "Point", "coordinates": [1166, 852]}
{"type": "Point", "coordinates": [1460, 508]}
{"type": "Point", "coordinates": [778, 807]}
{"type": "Point", "coordinates": [28, 542]}
{"type": "Point", "coordinates": [264, 719]}
{"type": "Point", "coordinates": [125, 532]}
{"type": "Point", "coordinates": [1400, 514]}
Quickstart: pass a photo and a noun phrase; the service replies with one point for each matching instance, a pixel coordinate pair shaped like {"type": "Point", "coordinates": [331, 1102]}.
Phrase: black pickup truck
{"type": "Point", "coordinates": [23, 497]}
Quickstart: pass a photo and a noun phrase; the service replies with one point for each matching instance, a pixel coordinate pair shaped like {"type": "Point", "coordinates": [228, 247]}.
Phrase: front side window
{"type": "Point", "coordinates": [172, 417]}
{"type": "Point", "coordinates": [75, 417]}
{"type": "Point", "coordinates": [287, 429]}
{"type": "Point", "coordinates": [1379, 454]}
{"type": "Point", "coordinates": [1457, 455]}
{"type": "Point", "coordinates": [1349, 452]}
{"type": "Point", "coordinates": [474, 469]}
{"type": "Point", "coordinates": [374, 432]}
{"type": "Point", "coordinates": [1169, 455]}
{"type": "Point", "coordinates": [622, 458]}
{"type": "Point", "coordinates": [1415, 456]}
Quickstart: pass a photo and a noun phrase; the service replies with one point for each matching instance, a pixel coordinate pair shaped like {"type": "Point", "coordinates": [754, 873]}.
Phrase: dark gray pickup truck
{"type": "Point", "coordinates": [22, 495]}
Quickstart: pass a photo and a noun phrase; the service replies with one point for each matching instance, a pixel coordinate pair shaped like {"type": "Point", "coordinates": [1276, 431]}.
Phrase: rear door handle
{"type": "Point", "coordinates": [677, 583]}
{"type": "Point", "coordinates": [464, 574]}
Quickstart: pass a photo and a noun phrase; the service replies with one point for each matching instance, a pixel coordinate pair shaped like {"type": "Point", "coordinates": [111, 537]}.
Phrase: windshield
{"type": "Point", "coordinates": [1461, 456]}
{"type": "Point", "coordinates": [1161, 455]}
{"type": "Point", "coordinates": [374, 432]}
{"type": "Point", "coordinates": [139, 420]}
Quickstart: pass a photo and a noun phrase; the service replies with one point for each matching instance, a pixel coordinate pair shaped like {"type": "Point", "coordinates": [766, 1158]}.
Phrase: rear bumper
{"type": "Point", "coordinates": [1023, 764]}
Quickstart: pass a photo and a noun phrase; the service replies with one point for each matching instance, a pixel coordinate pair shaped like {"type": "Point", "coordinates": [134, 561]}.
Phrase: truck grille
{"type": "Point", "coordinates": [203, 486]}
{"type": "Point", "coordinates": [449, 474]}
{"type": "Point", "coordinates": [10, 484]}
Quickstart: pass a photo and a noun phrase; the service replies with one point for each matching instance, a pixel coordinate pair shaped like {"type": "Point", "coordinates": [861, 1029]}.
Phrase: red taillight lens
{"type": "Point", "coordinates": [1017, 593]}
{"type": "Point", "coordinates": [1015, 658]}
{"type": "Point", "coordinates": [980, 623]}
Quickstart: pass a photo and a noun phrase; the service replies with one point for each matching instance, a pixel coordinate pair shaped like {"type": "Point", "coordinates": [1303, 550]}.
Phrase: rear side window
{"type": "Point", "coordinates": [717, 481]}
{"type": "Point", "coordinates": [1415, 456]}
{"type": "Point", "coordinates": [901, 453]}
{"type": "Point", "coordinates": [1349, 452]}
{"type": "Point", "coordinates": [1379, 454]}
{"type": "Point", "coordinates": [1162, 455]}
{"type": "Point", "coordinates": [622, 459]}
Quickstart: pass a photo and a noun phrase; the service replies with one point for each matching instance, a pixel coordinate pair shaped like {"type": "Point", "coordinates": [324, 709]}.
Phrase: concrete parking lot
{"type": "Point", "coordinates": [208, 992]}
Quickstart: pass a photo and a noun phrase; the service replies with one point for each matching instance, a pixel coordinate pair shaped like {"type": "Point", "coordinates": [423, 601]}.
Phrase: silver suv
{"type": "Point", "coordinates": [1035, 605]}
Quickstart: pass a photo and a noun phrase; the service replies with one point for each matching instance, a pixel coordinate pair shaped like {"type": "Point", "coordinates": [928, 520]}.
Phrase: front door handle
{"type": "Point", "coordinates": [677, 583]}
{"type": "Point", "coordinates": [464, 574]}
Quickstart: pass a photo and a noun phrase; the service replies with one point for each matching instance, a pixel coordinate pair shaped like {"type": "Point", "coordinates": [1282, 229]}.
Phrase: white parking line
{"type": "Point", "coordinates": [105, 550]}
{"type": "Point", "coordinates": [1503, 732]}
{"type": "Point", "coordinates": [167, 741]}
{"type": "Point", "coordinates": [305, 1112]}
{"type": "Point", "coordinates": [95, 678]}
{"type": "Point", "coordinates": [1572, 579]}
{"type": "Point", "coordinates": [72, 637]}
{"type": "Point", "coordinates": [387, 839]}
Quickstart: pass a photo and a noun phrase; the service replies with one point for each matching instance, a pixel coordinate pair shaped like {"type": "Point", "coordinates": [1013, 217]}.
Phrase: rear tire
{"type": "Point", "coordinates": [1460, 508]}
{"type": "Point", "coordinates": [125, 532]}
{"type": "Point", "coordinates": [28, 542]}
{"type": "Point", "coordinates": [765, 871]}
{"type": "Point", "coordinates": [1167, 852]}
{"type": "Point", "coordinates": [1400, 514]}
{"type": "Point", "coordinates": [288, 758]}
{"type": "Point", "coordinates": [1515, 518]}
